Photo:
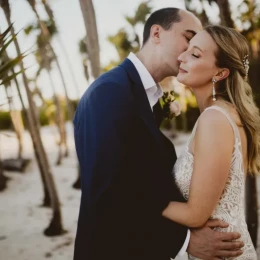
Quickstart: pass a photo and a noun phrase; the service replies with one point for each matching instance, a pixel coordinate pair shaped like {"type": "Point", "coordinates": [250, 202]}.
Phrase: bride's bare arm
{"type": "Point", "coordinates": [213, 147]}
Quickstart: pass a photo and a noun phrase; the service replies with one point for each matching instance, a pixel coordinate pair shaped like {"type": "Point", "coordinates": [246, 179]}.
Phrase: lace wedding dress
{"type": "Point", "coordinates": [230, 207]}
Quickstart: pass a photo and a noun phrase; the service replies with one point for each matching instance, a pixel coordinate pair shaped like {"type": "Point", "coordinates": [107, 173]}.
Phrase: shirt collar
{"type": "Point", "coordinates": [153, 90]}
{"type": "Point", "coordinates": [145, 76]}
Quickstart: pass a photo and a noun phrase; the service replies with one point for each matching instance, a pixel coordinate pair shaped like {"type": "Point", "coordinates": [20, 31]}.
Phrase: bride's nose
{"type": "Point", "coordinates": [181, 58]}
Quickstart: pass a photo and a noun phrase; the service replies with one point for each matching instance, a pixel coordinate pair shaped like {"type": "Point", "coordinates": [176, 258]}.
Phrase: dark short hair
{"type": "Point", "coordinates": [165, 17]}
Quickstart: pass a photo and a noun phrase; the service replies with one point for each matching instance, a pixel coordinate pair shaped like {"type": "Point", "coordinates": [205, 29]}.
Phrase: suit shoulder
{"type": "Point", "coordinates": [111, 87]}
{"type": "Point", "coordinates": [106, 82]}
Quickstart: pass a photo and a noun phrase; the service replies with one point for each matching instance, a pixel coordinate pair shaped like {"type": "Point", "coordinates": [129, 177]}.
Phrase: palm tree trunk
{"type": "Point", "coordinates": [3, 178]}
{"type": "Point", "coordinates": [69, 103]}
{"type": "Point", "coordinates": [46, 33]}
{"type": "Point", "coordinates": [225, 13]}
{"type": "Point", "coordinates": [47, 199]}
{"type": "Point", "coordinates": [51, 16]}
{"type": "Point", "coordinates": [18, 128]}
{"type": "Point", "coordinates": [251, 182]}
{"type": "Point", "coordinates": [88, 12]}
{"type": "Point", "coordinates": [70, 66]}
{"type": "Point", "coordinates": [55, 227]}
{"type": "Point", "coordinates": [59, 118]}
{"type": "Point", "coordinates": [89, 16]}
{"type": "Point", "coordinates": [252, 208]}
{"type": "Point", "coordinates": [77, 184]}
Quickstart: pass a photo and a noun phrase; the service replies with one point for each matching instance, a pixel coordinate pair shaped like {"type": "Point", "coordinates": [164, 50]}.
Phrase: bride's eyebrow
{"type": "Point", "coordinates": [196, 47]}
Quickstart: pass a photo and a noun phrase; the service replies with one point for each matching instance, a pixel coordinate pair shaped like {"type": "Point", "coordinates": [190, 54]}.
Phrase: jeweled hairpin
{"type": "Point", "coordinates": [246, 65]}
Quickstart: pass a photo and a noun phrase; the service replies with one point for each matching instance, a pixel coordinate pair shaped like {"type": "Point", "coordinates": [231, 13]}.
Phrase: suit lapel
{"type": "Point", "coordinates": [142, 103]}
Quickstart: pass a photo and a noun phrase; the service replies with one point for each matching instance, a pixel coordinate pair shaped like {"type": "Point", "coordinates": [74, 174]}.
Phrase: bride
{"type": "Point", "coordinates": [225, 143]}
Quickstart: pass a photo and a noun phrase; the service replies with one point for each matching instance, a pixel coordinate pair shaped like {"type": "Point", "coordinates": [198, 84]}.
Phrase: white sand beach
{"type": "Point", "coordinates": [22, 220]}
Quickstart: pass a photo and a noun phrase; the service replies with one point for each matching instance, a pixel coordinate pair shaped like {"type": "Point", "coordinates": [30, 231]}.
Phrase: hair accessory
{"type": "Point", "coordinates": [246, 65]}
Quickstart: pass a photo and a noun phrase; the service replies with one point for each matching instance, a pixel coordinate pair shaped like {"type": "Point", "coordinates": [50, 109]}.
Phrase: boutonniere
{"type": "Point", "coordinates": [170, 106]}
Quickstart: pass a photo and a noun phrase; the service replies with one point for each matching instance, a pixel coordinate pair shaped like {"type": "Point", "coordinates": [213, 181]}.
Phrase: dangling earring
{"type": "Point", "coordinates": [213, 90]}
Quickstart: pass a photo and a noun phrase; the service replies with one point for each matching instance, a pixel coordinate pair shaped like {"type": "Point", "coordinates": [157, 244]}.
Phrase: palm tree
{"type": "Point", "coordinates": [3, 178]}
{"type": "Point", "coordinates": [52, 19]}
{"type": "Point", "coordinates": [55, 226]}
{"type": "Point", "coordinates": [47, 36]}
{"type": "Point", "coordinates": [16, 120]}
{"type": "Point", "coordinates": [45, 59]}
{"type": "Point", "coordinates": [92, 45]}
{"type": "Point", "coordinates": [92, 42]}
{"type": "Point", "coordinates": [139, 17]}
{"type": "Point", "coordinates": [85, 58]}
{"type": "Point", "coordinates": [125, 43]}
{"type": "Point", "coordinates": [4, 79]}
{"type": "Point", "coordinates": [224, 12]}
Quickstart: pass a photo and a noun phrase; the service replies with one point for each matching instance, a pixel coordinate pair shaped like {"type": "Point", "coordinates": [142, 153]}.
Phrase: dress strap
{"type": "Point", "coordinates": [231, 121]}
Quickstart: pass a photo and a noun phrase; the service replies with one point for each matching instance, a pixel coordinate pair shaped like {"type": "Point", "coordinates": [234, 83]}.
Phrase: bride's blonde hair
{"type": "Point", "coordinates": [232, 50]}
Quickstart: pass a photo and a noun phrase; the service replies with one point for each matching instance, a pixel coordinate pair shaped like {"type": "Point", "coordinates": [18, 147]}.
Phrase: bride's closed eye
{"type": "Point", "coordinates": [195, 56]}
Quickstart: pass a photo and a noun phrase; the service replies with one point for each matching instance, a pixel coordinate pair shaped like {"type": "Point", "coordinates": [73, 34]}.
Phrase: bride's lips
{"type": "Point", "coordinates": [182, 70]}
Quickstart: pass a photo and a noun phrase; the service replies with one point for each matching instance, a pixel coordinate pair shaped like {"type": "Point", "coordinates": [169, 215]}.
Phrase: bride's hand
{"type": "Point", "coordinates": [214, 223]}
{"type": "Point", "coordinates": [208, 244]}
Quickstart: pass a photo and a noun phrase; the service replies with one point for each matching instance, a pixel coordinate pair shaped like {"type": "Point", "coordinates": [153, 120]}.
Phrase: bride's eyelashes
{"type": "Point", "coordinates": [195, 56]}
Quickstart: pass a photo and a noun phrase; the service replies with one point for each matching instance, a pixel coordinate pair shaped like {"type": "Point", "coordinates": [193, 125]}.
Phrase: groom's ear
{"type": "Point", "coordinates": [222, 74]}
{"type": "Point", "coordinates": [155, 33]}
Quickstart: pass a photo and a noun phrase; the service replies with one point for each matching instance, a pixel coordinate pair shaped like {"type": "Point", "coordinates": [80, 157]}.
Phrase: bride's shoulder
{"type": "Point", "coordinates": [214, 121]}
{"type": "Point", "coordinates": [213, 115]}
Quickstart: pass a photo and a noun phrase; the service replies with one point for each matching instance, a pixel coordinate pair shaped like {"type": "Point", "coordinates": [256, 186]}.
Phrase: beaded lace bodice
{"type": "Point", "coordinates": [230, 207]}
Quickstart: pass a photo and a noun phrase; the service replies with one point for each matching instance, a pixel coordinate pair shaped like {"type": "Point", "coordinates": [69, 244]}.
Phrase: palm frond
{"type": "Point", "coordinates": [7, 79]}
{"type": "Point", "coordinates": [9, 65]}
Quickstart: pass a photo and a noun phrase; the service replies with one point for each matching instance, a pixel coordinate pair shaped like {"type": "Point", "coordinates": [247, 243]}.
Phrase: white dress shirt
{"type": "Point", "coordinates": [152, 89]}
{"type": "Point", "coordinates": [154, 92]}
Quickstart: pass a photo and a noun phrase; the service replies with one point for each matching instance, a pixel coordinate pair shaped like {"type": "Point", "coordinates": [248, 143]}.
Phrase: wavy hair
{"type": "Point", "coordinates": [231, 51]}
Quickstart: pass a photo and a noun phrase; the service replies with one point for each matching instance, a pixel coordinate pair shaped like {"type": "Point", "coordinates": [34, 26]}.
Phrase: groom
{"type": "Point", "coordinates": [126, 162]}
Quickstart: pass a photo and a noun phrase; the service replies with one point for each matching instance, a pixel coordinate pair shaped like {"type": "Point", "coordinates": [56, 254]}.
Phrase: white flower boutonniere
{"type": "Point", "coordinates": [175, 108]}
{"type": "Point", "coordinates": [170, 106]}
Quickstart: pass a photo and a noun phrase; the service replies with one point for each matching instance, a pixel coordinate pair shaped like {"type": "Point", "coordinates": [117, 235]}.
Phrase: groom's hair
{"type": "Point", "coordinates": [165, 17]}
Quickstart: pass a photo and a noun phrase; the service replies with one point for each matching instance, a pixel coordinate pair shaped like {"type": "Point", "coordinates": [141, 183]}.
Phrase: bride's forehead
{"type": "Point", "coordinates": [204, 41]}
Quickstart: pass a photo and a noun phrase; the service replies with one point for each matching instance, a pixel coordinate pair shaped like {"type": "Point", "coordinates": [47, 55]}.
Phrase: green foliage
{"type": "Point", "coordinates": [43, 54]}
{"type": "Point", "coordinates": [6, 64]}
{"type": "Point", "coordinates": [110, 66]}
{"type": "Point", "coordinates": [29, 29]}
{"type": "Point", "coordinates": [46, 114]}
{"type": "Point", "coordinates": [183, 122]}
{"type": "Point", "coordinates": [5, 119]}
{"type": "Point", "coordinates": [125, 43]}
{"type": "Point", "coordinates": [165, 102]}
{"type": "Point", "coordinates": [36, 27]}
{"type": "Point", "coordinates": [140, 14]}
{"type": "Point", "coordinates": [83, 46]}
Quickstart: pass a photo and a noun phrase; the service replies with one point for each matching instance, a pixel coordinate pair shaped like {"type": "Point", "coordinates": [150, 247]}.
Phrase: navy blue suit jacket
{"type": "Point", "coordinates": [126, 181]}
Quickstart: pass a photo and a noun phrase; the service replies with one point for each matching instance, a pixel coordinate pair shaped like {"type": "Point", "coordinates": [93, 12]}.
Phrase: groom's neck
{"type": "Point", "coordinates": [151, 62]}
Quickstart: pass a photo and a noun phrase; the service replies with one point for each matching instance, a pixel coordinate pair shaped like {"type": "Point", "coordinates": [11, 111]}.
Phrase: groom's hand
{"type": "Point", "coordinates": [206, 243]}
